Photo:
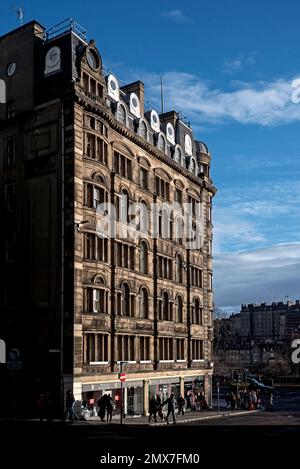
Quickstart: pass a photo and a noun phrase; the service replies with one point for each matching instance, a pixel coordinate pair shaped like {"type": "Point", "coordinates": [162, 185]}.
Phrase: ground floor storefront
{"type": "Point", "coordinates": [134, 395]}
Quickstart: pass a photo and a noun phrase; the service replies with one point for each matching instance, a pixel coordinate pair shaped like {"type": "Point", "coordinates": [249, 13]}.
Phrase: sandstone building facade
{"type": "Point", "coordinates": [75, 303]}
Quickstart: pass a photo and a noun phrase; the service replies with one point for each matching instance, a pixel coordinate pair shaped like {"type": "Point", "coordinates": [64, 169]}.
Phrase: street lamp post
{"type": "Point", "coordinates": [218, 396]}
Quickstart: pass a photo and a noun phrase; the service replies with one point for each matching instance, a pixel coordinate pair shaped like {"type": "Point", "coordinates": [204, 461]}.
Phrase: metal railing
{"type": "Point", "coordinates": [64, 26]}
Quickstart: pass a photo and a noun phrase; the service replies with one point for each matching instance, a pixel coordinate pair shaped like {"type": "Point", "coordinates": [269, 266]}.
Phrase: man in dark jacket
{"type": "Point", "coordinates": [152, 408]}
{"type": "Point", "coordinates": [171, 407]}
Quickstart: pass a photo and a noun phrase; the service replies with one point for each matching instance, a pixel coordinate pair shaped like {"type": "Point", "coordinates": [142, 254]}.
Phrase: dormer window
{"type": "Point", "coordinates": [161, 143]}
{"type": "Point", "coordinates": [143, 130]}
{"type": "Point", "coordinates": [121, 114]}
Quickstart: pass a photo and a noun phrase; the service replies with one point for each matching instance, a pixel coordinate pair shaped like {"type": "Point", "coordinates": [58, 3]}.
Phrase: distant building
{"type": "Point", "coordinates": [259, 337]}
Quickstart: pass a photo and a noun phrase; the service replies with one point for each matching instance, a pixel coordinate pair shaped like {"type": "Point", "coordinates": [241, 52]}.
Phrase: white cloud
{"type": "Point", "coordinates": [263, 103]}
{"type": "Point", "coordinates": [259, 275]}
{"type": "Point", "coordinates": [177, 15]}
{"type": "Point", "coordinates": [231, 66]}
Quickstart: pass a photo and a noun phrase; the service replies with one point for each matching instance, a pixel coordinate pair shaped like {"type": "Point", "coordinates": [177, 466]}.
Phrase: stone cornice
{"type": "Point", "coordinates": [99, 107]}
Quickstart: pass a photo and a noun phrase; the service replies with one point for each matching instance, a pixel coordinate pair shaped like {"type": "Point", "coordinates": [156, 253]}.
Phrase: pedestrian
{"type": "Point", "coordinates": [159, 407]}
{"type": "Point", "coordinates": [70, 399]}
{"type": "Point", "coordinates": [109, 408]}
{"type": "Point", "coordinates": [102, 404]}
{"type": "Point", "coordinates": [152, 408]}
{"type": "Point", "coordinates": [170, 402]}
{"type": "Point", "coordinates": [181, 405]}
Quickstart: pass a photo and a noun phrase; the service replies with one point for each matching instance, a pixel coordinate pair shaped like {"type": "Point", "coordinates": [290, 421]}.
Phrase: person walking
{"type": "Point", "coordinates": [109, 408]}
{"type": "Point", "coordinates": [70, 399]}
{"type": "Point", "coordinates": [181, 405]}
{"type": "Point", "coordinates": [159, 407]}
{"type": "Point", "coordinates": [152, 408]}
{"type": "Point", "coordinates": [170, 402]}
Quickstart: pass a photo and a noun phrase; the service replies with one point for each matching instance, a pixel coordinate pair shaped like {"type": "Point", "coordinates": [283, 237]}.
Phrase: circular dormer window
{"type": "Point", "coordinates": [113, 84]}
{"type": "Point", "coordinates": [93, 59]}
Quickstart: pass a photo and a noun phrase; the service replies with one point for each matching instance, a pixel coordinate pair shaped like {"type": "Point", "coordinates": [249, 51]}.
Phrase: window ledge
{"type": "Point", "coordinates": [166, 361]}
{"type": "Point", "coordinates": [198, 360]}
{"type": "Point", "coordinates": [127, 362]}
{"type": "Point", "coordinates": [98, 363]}
{"type": "Point", "coordinates": [145, 361]}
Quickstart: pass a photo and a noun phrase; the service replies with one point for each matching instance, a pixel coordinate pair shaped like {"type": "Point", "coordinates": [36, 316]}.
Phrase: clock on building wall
{"type": "Point", "coordinates": [53, 60]}
{"type": "Point", "coordinates": [11, 68]}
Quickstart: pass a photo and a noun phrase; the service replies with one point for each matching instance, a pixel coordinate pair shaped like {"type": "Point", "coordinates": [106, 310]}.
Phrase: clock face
{"type": "Point", "coordinates": [92, 59]}
{"type": "Point", "coordinates": [11, 68]}
{"type": "Point", "coordinates": [53, 57]}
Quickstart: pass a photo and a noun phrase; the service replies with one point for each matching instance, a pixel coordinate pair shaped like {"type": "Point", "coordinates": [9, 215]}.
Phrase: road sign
{"type": "Point", "coordinates": [122, 377]}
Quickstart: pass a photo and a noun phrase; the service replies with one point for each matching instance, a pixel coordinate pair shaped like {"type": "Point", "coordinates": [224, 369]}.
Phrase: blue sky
{"type": "Point", "coordinates": [228, 66]}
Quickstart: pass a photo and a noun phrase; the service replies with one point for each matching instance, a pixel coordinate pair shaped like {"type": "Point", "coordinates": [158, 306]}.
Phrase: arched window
{"type": "Point", "coordinates": [143, 217]}
{"type": "Point", "coordinates": [197, 312]}
{"type": "Point", "coordinates": [161, 144]}
{"type": "Point", "coordinates": [165, 306]}
{"type": "Point", "coordinates": [177, 155]}
{"type": "Point", "coordinates": [179, 268]}
{"type": "Point", "coordinates": [126, 309]}
{"type": "Point", "coordinates": [179, 309]}
{"type": "Point", "coordinates": [144, 304]}
{"type": "Point", "coordinates": [193, 166]}
{"type": "Point", "coordinates": [143, 130]}
{"type": "Point", "coordinates": [144, 258]}
{"type": "Point", "coordinates": [179, 228]}
{"type": "Point", "coordinates": [124, 206]}
{"type": "Point", "coordinates": [121, 115]}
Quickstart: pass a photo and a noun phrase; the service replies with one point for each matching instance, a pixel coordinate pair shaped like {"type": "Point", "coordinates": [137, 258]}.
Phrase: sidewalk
{"type": "Point", "coordinates": [186, 418]}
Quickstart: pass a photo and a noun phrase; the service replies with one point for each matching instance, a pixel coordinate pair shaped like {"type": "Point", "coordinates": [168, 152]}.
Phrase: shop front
{"type": "Point", "coordinates": [164, 387]}
{"type": "Point", "coordinates": [193, 387]}
{"type": "Point", "coordinates": [132, 394]}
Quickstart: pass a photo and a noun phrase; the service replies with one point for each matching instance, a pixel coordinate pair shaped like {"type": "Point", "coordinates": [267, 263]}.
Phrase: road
{"type": "Point", "coordinates": [271, 433]}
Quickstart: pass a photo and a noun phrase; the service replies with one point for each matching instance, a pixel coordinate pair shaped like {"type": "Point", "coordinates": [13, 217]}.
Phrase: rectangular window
{"type": "Point", "coordinates": [90, 145]}
{"type": "Point", "coordinates": [89, 348]}
{"type": "Point", "coordinates": [125, 348]}
{"type": "Point", "coordinates": [180, 349]}
{"type": "Point", "coordinates": [10, 109]}
{"type": "Point", "coordinates": [102, 348]}
{"type": "Point", "coordinates": [85, 82]}
{"type": "Point", "coordinates": [144, 348]}
{"type": "Point", "coordinates": [123, 166]}
{"type": "Point", "coordinates": [10, 197]}
{"type": "Point", "coordinates": [99, 301]}
{"type": "Point", "coordinates": [102, 249]}
{"type": "Point", "coordinates": [96, 198]}
{"type": "Point", "coordinates": [90, 246]}
{"type": "Point", "coordinates": [166, 349]}
{"type": "Point", "coordinates": [101, 151]}
{"type": "Point", "coordinates": [178, 196]}
{"type": "Point", "coordinates": [9, 148]}
{"type": "Point", "coordinates": [197, 350]}
{"type": "Point", "coordinates": [210, 282]}
{"type": "Point", "coordinates": [93, 86]}
{"type": "Point", "coordinates": [144, 178]}
{"type": "Point", "coordinates": [165, 267]}
{"type": "Point", "coordinates": [95, 348]}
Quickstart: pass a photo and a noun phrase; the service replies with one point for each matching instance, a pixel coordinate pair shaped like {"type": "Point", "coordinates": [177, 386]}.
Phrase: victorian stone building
{"type": "Point", "coordinates": [80, 296]}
